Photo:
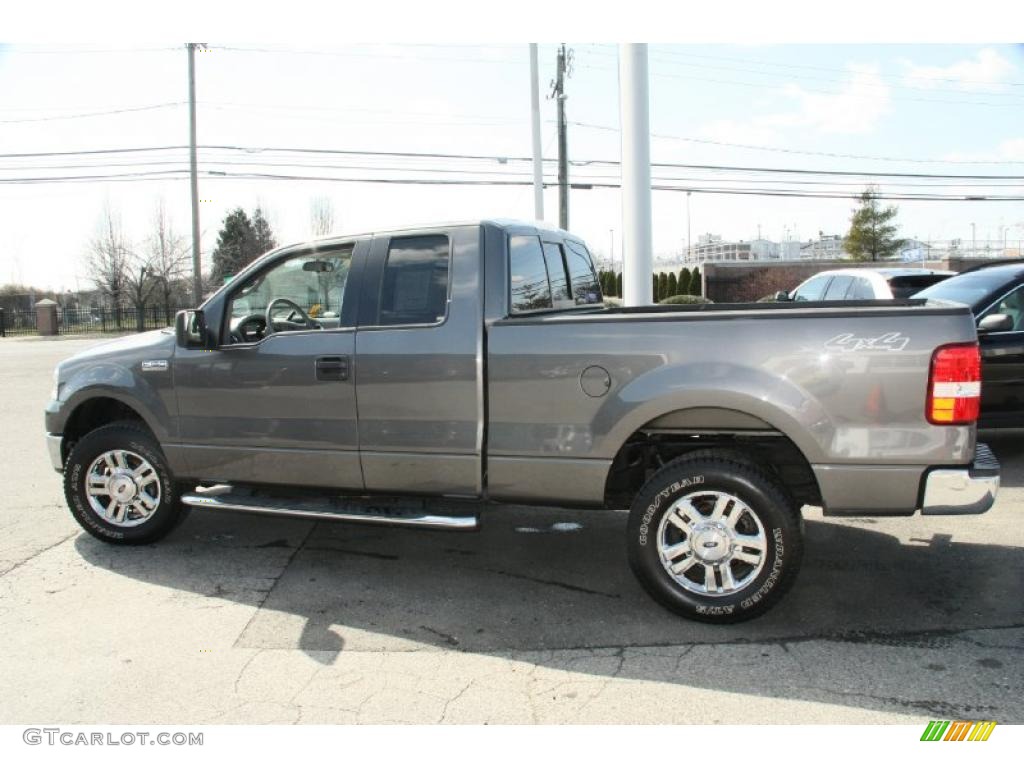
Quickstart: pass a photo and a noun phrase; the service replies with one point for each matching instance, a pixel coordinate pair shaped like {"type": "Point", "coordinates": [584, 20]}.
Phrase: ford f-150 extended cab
{"type": "Point", "coordinates": [448, 367]}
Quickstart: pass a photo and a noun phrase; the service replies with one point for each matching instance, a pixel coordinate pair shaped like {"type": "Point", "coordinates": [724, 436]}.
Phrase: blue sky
{"type": "Point", "coordinates": [937, 109]}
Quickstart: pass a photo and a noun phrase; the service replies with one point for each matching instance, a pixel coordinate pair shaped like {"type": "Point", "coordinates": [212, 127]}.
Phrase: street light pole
{"type": "Point", "coordinates": [688, 244]}
{"type": "Point", "coordinates": [637, 254]}
{"type": "Point", "coordinates": [197, 279]}
{"type": "Point", "coordinates": [974, 241]}
{"type": "Point", "coordinates": [538, 161]}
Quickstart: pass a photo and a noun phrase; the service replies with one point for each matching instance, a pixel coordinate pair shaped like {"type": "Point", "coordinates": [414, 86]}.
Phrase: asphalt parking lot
{"type": "Point", "coordinates": [244, 619]}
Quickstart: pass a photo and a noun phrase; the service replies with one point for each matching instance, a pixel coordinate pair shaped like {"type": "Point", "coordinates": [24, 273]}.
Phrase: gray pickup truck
{"type": "Point", "coordinates": [415, 377]}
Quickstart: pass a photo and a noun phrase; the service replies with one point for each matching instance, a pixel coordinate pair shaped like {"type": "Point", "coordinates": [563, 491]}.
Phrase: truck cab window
{"type": "Point", "coordinates": [585, 287]}
{"type": "Point", "coordinates": [528, 275]}
{"type": "Point", "coordinates": [414, 290]}
{"type": "Point", "coordinates": [561, 295]}
{"type": "Point", "coordinates": [300, 293]}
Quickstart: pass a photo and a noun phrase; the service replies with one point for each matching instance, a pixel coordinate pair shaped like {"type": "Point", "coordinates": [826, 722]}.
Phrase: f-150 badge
{"type": "Point", "coordinates": [887, 342]}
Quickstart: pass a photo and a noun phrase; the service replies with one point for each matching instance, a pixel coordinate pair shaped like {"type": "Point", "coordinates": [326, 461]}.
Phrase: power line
{"type": "Point", "coordinates": [181, 173]}
{"type": "Point", "coordinates": [763, 148]}
{"type": "Point", "coordinates": [805, 89]}
{"type": "Point", "coordinates": [361, 54]}
{"type": "Point", "coordinates": [596, 48]}
{"type": "Point", "coordinates": [478, 171]}
{"type": "Point", "coordinates": [75, 51]}
{"type": "Point", "coordinates": [250, 150]}
{"type": "Point", "coordinates": [50, 118]}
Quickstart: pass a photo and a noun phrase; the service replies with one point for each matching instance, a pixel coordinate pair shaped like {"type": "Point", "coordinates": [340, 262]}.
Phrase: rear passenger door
{"type": "Point", "coordinates": [419, 372]}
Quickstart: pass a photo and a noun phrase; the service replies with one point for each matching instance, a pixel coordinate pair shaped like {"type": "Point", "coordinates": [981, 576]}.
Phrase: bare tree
{"type": "Point", "coordinates": [107, 259]}
{"type": "Point", "coordinates": [140, 281]}
{"type": "Point", "coordinates": [168, 254]}
{"type": "Point", "coordinates": [321, 216]}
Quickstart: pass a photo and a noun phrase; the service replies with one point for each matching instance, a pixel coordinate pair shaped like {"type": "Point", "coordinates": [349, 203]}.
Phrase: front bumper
{"type": "Point", "coordinates": [53, 447]}
{"type": "Point", "coordinates": [965, 490]}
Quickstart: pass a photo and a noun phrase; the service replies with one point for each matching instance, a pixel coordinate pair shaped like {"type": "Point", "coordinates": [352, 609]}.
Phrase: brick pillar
{"type": "Point", "coordinates": [46, 317]}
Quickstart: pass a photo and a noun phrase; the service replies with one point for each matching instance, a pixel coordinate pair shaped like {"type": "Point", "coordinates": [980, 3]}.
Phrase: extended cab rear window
{"type": "Point", "coordinates": [585, 287]}
{"type": "Point", "coordinates": [529, 287]}
{"type": "Point", "coordinates": [415, 286]}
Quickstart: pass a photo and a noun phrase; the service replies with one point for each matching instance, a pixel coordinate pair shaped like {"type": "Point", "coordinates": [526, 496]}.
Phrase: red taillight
{"type": "Point", "coordinates": [954, 385]}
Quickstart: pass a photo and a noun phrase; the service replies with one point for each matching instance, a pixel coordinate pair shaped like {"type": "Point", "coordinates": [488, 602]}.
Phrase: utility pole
{"type": "Point", "coordinates": [636, 175]}
{"type": "Point", "coordinates": [564, 70]}
{"type": "Point", "coordinates": [538, 161]}
{"type": "Point", "coordinates": [197, 268]}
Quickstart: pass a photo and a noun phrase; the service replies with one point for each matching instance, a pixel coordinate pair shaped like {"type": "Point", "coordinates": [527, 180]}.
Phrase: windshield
{"type": "Point", "coordinates": [973, 288]}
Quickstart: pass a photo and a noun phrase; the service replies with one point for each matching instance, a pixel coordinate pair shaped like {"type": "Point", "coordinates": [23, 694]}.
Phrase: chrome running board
{"type": "Point", "coordinates": [388, 511]}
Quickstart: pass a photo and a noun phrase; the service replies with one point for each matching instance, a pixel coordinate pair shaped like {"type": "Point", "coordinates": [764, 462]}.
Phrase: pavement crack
{"type": "Point", "coordinates": [452, 700]}
{"type": "Point", "coordinates": [276, 580]}
{"type": "Point", "coordinates": [245, 667]}
{"type": "Point", "coordinates": [550, 583]}
{"type": "Point", "coordinates": [34, 555]}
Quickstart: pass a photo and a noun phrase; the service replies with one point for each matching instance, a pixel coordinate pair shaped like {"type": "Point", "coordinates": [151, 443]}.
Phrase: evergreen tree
{"type": "Point", "coordinates": [695, 283]}
{"type": "Point", "coordinates": [654, 288]}
{"type": "Point", "coordinates": [263, 235]}
{"type": "Point", "coordinates": [236, 246]}
{"type": "Point", "coordinates": [618, 285]}
{"type": "Point", "coordinates": [663, 286]}
{"type": "Point", "coordinates": [872, 234]}
{"type": "Point", "coordinates": [673, 284]}
{"type": "Point", "coordinates": [684, 280]}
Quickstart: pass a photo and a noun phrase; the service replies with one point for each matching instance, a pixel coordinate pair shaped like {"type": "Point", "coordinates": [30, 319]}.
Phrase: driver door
{"type": "Point", "coordinates": [277, 405]}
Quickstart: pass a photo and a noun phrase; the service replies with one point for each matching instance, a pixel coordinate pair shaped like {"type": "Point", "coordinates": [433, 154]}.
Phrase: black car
{"type": "Point", "coordinates": [995, 293]}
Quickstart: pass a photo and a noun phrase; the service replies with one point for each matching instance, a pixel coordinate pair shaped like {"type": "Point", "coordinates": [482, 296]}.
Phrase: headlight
{"type": "Point", "coordinates": [55, 392]}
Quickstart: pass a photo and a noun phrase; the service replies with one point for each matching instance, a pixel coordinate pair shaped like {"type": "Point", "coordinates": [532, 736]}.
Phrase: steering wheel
{"type": "Point", "coordinates": [306, 321]}
{"type": "Point", "coordinates": [250, 328]}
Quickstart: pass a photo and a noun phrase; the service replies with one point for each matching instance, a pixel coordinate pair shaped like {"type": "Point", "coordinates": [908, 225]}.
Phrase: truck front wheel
{"type": "Point", "coordinates": [714, 538]}
{"type": "Point", "coordinates": [118, 485]}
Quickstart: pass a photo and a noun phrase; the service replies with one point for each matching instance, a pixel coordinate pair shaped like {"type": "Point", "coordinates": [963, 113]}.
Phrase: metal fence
{"type": "Point", "coordinates": [86, 320]}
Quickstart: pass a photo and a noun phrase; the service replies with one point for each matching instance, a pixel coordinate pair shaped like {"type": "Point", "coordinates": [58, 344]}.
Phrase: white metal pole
{"type": "Point", "coordinates": [197, 278]}
{"type": "Point", "coordinates": [637, 256]}
{"type": "Point", "coordinates": [538, 161]}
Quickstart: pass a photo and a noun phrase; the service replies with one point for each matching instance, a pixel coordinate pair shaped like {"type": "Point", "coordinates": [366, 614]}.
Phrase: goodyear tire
{"type": "Point", "coordinates": [118, 486]}
{"type": "Point", "coordinates": [713, 537]}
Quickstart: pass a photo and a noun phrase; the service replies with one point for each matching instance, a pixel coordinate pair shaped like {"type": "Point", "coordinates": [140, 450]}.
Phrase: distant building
{"type": "Point", "coordinates": [764, 249]}
{"type": "Point", "coordinates": [826, 247]}
{"type": "Point", "coordinates": [713, 248]}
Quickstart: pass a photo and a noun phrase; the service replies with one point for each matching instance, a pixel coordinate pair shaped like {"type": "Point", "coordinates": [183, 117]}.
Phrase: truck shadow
{"type": "Point", "coordinates": [534, 585]}
{"type": "Point", "coordinates": [1008, 446]}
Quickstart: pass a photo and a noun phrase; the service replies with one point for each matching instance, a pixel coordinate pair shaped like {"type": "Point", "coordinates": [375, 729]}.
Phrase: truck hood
{"type": "Point", "coordinates": [140, 345]}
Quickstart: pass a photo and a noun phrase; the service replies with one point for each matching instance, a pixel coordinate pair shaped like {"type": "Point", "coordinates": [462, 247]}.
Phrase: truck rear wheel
{"type": "Point", "coordinates": [714, 538]}
{"type": "Point", "coordinates": [118, 486]}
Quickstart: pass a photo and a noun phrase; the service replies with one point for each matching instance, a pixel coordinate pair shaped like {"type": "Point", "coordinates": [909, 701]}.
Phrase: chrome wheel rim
{"type": "Point", "coordinates": [123, 488]}
{"type": "Point", "coordinates": [712, 543]}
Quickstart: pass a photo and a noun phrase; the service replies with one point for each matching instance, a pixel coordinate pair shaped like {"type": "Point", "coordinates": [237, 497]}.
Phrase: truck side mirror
{"type": "Point", "coordinates": [996, 324]}
{"type": "Point", "coordinates": [190, 329]}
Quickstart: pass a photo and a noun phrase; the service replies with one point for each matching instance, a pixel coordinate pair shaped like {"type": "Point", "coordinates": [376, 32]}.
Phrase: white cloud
{"type": "Point", "coordinates": [986, 71]}
{"type": "Point", "coordinates": [751, 131]}
{"type": "Point", "coordinates": [856, 108]}
{"type": "Point", "coordinates": [1006, 151]}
